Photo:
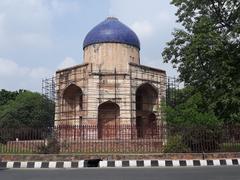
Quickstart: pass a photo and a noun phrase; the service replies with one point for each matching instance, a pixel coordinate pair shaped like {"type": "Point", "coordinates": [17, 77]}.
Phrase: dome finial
{"type": "Point", "coordinates": [112, 17]}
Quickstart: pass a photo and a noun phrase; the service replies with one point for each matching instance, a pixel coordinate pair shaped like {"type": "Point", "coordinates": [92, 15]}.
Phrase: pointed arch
{"type": "Point", "coordinates": [72, 103]}
{"type": "Point", "coordinates": [146, 101]}
{"type": "Point", "coordinates": [146, 97]}
{"type": "Point", "coordinates": [148, 84]}
{"type": "Point", "coordinates": [108, 119]}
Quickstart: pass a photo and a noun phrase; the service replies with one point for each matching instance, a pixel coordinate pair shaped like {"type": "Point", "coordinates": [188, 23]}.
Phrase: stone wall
{"type": "Point", "coordinates": [108, 56]}
{"type": "Point", "coordinates": [100, 86]}
{"type": "Point", "coordinates": [77, 75]}
{"type": "Point", "coordinates": [71, 157]}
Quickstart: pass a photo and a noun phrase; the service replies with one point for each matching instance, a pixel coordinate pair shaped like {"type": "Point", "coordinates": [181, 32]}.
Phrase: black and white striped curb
{"type": "Point", "coordinates": [169, 163]}
{"type": "Point", "coordinates": [119, 163]}
{"type": "Point", "coordinates": [42, 164]}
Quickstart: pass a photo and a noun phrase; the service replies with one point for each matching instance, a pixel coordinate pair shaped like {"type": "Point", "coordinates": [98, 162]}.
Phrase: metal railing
{"type": "Point", "coordinates": [120, 139]}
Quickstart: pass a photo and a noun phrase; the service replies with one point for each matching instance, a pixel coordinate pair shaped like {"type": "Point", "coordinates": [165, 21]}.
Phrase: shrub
{"type": "Point", "coordinates": [175, 144]}
{"type": "Point", "coordinates": [52, 146]}
{"type": "Point", "coordinates": [230, 147]}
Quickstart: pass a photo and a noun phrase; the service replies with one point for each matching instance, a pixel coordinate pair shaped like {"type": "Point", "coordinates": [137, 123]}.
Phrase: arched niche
{"type": "Point", "coordinates": [146, 101]}
{"type": "Point", "coordinates": [108, 120]}
{"type": "Point", "coordinates": [72, 105]}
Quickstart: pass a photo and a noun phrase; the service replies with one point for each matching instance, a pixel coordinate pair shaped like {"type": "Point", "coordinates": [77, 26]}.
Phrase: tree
{"type": "Point", "coordinates": [27, 110]}
{"type": "Point", "coordinates": [6, 96]}
{"type": "Point", "coordinates": [190, 127]}
{"type": "Point", "coordinates": [190, 111]}
{"type": "Point", "coordinates": [206, 53]}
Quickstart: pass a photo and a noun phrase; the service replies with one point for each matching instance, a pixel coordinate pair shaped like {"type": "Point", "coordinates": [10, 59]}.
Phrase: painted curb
{"type": "Point", "coordinates": [169, 163]}
{"type": "Point", "coordinates": [116, 163]}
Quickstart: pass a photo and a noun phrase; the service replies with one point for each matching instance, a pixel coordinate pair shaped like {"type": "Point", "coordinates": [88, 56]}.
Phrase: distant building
{"type": "Point", "coordinates": [111, 87]}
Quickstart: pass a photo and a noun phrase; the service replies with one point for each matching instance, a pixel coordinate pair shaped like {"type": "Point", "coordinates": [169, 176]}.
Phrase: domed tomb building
{"type": "Point", "coordinates": [111, 88]}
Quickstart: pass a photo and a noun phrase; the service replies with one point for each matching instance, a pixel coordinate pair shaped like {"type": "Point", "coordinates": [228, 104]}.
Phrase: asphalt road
{"type": "Point", "coordinates": [196, 173]}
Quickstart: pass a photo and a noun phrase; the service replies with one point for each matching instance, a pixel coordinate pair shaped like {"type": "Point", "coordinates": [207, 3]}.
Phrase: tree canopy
{"type": "Point", "coordinates": [206, 52]}
{"type": "Point", "coordinates": [25, 109]}
{"type": "Point", "coordinates": [6, 96]}
{"type": "Point", "coordinates": [190, 109]}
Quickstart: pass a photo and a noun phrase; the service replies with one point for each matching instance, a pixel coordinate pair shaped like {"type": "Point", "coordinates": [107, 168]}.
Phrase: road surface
{"type": "Point", "coordinates": [184, 173]}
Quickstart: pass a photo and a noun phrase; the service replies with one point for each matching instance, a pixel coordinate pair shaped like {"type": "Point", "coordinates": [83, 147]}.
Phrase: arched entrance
{"type": "Point", "coordinates": [72, 105]}
{"type": "Point", "coordinates": [146, 100]}
{"type": "Point", "coordinates": [108, 120]}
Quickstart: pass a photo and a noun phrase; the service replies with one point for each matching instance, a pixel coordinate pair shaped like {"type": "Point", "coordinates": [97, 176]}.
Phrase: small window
{"type": "Point", "coordinates": [81, 102]}
{"type": "Point", "coordinates": [80, 120]}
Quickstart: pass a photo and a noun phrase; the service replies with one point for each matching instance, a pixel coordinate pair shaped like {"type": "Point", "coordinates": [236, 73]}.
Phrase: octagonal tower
{"type": "Point", "coordinates": [110, 45]}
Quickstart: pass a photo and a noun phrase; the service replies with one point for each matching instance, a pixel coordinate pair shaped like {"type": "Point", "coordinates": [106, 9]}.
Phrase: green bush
{"type": "Point", "coordinates": [175, 144]}
{"type": "Point", "coordinates": [194, 121]}
{"type": "Point", "coordinates": [230, 147]}
{"type": "Point", "coordinates": [52, 146]}
{"type": "Point", "coordinates": [27, 110]}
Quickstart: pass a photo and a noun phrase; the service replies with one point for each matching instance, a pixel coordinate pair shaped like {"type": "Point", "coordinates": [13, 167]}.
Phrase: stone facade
{"type": "Point", "coordinates": [111, 88]}
{"type": "Point", "coordinates": [109, 56]}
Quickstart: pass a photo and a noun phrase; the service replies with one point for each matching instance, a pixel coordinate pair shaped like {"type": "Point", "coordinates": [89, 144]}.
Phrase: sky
{"type": "Point", "coordinates": [37, 37]}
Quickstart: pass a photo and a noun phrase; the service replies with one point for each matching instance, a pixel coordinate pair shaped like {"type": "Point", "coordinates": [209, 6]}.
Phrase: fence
{"type": "Point", "coordinates": [120, 139]}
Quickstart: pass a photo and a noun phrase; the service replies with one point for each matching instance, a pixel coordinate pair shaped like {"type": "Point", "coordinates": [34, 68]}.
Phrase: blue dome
{"type": "Point", "coordinates": [111, 30]}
